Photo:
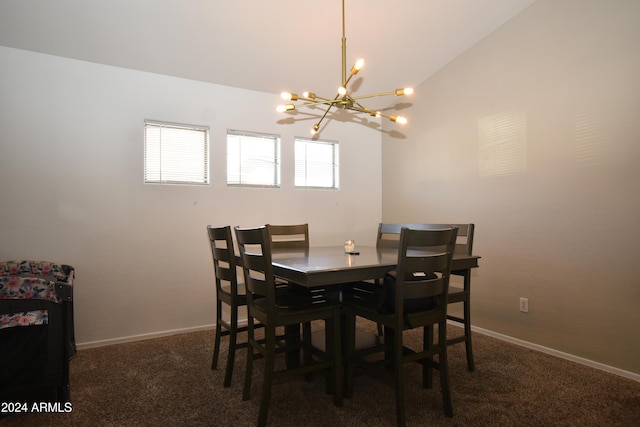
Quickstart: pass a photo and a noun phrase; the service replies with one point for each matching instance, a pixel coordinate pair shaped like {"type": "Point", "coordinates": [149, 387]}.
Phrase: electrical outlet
{"type": "Point", "coordinates": [524, 305]}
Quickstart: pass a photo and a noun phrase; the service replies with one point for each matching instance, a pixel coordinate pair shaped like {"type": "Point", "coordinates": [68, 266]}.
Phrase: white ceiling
{"type": "Point", "coordinates": [262, 45]}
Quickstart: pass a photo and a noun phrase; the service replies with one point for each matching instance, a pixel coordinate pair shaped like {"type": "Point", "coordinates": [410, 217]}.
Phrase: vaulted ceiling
{"type": "Point", "coordinates": [261, 45]}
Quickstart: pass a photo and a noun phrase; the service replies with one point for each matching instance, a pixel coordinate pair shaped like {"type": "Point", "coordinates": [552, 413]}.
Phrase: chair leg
{"type": "Point", "coordinates": [443, 367]}
{"type": "Point", "coordinates": [329, 346]}
{"type": "Point", "coordinates": [231, 356]}
{"type": "Point", "coordinates": [338, 373]}
{"type": "Point", "coordinates": [270, 349]}
{"type": "Point", "coordinates": [292, 339]}
{"type": "Point", "coordinates": [246, 392]}
{"type": "Point", "coordinates": [466, 310]}
{"type": "Point", "coordinates": [379, 325]}
{"type": "Point", "coordinates": [306, 341]}
{"type": "Point", "coordinates": [350, 344]}
{"type": "Point", "coordinates": [467, 343]}
{"type": "Point", "coordinates": [233, 345]}
{"type": "Point", "coordinates": [389, 355]}
{"type": "Point", "coordinates": [399, 378]}
{"type": "Point", "coordinates": [216, 346]}
{"type": "Point", "coordinates": [427, 366]}
{"type": "Point", "coordinates": [467, 334]}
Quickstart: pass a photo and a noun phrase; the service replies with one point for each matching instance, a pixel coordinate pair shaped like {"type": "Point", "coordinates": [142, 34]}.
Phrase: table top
{"type": "Point", "coordinates": [322, 266]}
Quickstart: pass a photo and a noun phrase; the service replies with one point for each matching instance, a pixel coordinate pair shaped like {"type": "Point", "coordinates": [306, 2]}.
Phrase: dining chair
{"type": "Point", "coordinates": [293, 236]}
{"type": "Point", "coordinates": [388, 236]}
{"type": "Point", "coordinates": [416, 298]}
{"type": "Point", "coordinates": [230, 292]}
{"type": "Point", "coordinates": [273, 309]}
{"type": "Point", "coordinates": [290, 237]}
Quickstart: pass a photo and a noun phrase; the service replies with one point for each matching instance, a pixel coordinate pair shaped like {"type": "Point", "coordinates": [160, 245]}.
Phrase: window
{"type": "Point", "coordinates": [317, 163]}
{"type": "Point", "coordinates": [253, 159]}
{"type": "Point", "coordinates": [175, 154]}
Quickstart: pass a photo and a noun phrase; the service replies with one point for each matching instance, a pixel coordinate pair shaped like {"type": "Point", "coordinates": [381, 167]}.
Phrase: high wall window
{"type": "Point", "coordinates": [316, 163]}
{"type": "Point", "coordinates": [175, 153]}
{"type": "Point", "coordinates": [253, 159]}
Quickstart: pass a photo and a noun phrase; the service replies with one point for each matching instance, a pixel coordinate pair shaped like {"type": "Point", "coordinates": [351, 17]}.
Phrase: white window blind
{"type": "Point", "coordinates": [175, 154]}
{"type": "Point", "coordinates": [253, 159]}
{"type": "Point", "coordinates": [316, 163]}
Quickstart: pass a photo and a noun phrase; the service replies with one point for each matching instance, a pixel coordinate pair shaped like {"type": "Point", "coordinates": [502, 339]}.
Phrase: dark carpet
{"type": "Point", "coordinates": [168, 382]}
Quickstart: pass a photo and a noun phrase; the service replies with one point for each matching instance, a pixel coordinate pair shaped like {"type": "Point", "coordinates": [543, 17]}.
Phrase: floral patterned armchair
{"type": "Point", "coordinates": [65, 274]}
{"type": "Point", "coordinates": [36, 330]}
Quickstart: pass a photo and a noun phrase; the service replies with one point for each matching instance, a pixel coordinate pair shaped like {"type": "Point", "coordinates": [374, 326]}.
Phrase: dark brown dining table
{"type": "Point", "coordinates": [325, 266]}
{"type": "Point", "coordinates": [330, 265]}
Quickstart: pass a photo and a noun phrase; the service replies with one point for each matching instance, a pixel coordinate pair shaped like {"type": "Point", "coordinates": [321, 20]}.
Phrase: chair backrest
{"type": "Point", "coordinates": [255, 253]}
{"type": "Point", "coordinates": [31, 288]}
{"type": "Point", "coordinates": [224, 259]}
{"type": "Point", "coordinates": [424, 268]}
{"type": "Point", "coordinates": [58, 272]}
{"type": "Point", "coordinates": [289, 236]}
{"type": "Point", "coordinates": [389, 235]}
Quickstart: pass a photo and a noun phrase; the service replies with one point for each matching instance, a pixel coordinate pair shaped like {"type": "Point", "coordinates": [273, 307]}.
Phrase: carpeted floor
{"type": "Point", "coordinates": [168, 382]}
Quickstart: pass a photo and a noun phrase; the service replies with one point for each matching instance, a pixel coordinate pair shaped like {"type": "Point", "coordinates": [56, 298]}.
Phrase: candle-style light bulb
{"type": "Point", "coordinates": [404, 91]}
{"type": "Point", "coordinates": [283, 108]}
{"type": "Point", "coordinates": [357, 66]}
{"type": "Point", "coordinates": [289, 96]}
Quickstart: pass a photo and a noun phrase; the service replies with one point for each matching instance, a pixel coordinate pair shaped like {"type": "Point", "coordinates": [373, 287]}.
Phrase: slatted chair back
{"type": "Point", "coordinates": [389, 235]}
{"type": "Point", "coordinates": [424, 267]}
{"type": "Point", "coordinates": [294, 236]}
{"type": "Point", "coordinates": [224, 260]}
{"type": "Point", "coordinates": [255, 253]}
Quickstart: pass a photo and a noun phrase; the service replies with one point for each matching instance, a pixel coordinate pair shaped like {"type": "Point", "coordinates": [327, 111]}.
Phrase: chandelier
{"type": "Point", "coordinates": [344, 99]}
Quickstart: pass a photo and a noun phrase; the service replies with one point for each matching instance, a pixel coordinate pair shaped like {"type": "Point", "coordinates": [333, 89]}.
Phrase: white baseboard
{"type": "Point", "coordinates": [517, 341]}
{"type": "Point", "coordinates": [567, 356]}
{"type": "Point", "coordinates": [141, 337]}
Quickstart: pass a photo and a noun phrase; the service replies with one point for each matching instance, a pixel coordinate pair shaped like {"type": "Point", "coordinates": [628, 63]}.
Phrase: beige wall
{"type": "Point", "coordinates": [71, 185]}
{"type": "Point", "coordinates": [534, 135]}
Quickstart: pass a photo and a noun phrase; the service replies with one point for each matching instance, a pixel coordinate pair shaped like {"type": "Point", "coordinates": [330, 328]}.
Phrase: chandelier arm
{"type": "Point", "coordinates": [361, 108]}
{"type": "Point", "coordinates": [358, 110]}
{"type": "Point", "coordinates": [313, 103]}
{"type": "Point", "coordinates": [374, 95]}
{"type": "Point", "coordinates": [386, 116]}
{"type": "Point", "coordinates": [323, 99]}
{"type": "Point", "coordinates": [346, 82]}
{"type": "Point", "coordinates": [317, 125]}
